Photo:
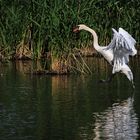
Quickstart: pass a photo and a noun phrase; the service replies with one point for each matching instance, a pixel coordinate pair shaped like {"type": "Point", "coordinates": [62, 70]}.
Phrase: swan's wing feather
{"type": "Point", "coordinates": [128, 41]}
{"type": "Point", "coordinates": [113, 41]}
{"type": "Point", "coordinates": [131, 41]}
{"type": "Point", "coordinates": [122, 45]}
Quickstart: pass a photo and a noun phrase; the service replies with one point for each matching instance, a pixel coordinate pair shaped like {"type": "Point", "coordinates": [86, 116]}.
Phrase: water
{"type": "Point", "coordinates": [74, 107]}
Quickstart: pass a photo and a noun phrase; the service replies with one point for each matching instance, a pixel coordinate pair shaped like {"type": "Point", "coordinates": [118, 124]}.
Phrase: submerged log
{"type": "Point", "coordinates": [57, 66]}
{"type": "Point", "coordinates": [47, 72]}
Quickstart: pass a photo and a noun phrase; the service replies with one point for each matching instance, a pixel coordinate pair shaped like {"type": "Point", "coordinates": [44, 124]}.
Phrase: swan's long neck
{"type": "Point", "coordinates": [95, 37]}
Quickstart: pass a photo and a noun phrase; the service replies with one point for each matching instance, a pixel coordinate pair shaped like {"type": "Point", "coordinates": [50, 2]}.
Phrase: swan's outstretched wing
{"type": "Point", "coordinates": [122, 45]}
{"type": "Point", "coordinates": [128, 41]}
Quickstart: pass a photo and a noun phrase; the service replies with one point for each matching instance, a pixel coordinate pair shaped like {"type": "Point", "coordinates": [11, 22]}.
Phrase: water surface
{"type": "Point", "coordinates": [70, 107]}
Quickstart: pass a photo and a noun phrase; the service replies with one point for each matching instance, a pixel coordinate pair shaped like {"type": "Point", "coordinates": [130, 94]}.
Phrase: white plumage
{"type": "Point", "coordinates": [117, 52]}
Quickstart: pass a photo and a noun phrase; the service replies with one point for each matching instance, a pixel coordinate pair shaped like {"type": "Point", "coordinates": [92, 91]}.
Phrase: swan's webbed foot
{"type": "Point", "coordinates": [107, 80]}
{"type": "Point", "coordinates": [104, 81]}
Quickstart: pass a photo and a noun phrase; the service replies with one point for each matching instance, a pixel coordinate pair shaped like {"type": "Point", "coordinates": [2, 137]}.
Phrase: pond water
{"type": "Point", "coordinates": [68, 107]}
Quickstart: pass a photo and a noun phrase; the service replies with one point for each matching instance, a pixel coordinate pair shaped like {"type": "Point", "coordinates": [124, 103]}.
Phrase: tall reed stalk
{"type": "Point", "coordinates": [52, 22]}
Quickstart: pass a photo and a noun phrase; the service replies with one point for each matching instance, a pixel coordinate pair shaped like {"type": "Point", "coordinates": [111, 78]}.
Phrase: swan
{"type": "Point", "coordinates": [117, 52]}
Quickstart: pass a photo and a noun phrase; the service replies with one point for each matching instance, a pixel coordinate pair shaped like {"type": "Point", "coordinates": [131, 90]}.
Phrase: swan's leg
{"type": "Point", "coordinates": [133, 84]}
{"type": "Point", "coordinates": [108, 80]}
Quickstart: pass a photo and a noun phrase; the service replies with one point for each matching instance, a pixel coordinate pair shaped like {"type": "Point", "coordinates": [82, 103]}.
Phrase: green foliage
{"type": "Point", "coordinates": [52, 22]}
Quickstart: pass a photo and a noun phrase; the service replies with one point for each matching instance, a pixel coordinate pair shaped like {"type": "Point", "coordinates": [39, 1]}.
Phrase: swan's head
{"type": "Point", "coordinates": [79, 27]}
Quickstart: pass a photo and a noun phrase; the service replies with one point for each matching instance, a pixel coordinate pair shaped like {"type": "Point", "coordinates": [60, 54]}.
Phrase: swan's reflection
{"type": "Point", "coordinates": [118, 122]}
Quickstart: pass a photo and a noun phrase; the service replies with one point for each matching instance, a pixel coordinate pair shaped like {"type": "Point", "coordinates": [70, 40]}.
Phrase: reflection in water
{"type": "Point", "coordinates": [36, 107]}
{"type": "Point", "coordinates": [118, 122]}
{"type": "Point", "coordinates": [24, 66]}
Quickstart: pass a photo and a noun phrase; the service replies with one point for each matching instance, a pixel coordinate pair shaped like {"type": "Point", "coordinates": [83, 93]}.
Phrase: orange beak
{"type": "Point", "coordinates": [76, 29]}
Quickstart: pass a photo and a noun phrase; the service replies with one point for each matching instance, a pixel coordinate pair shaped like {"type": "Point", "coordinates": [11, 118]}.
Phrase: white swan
{"type": "Point", "coordinates": [117, 52]}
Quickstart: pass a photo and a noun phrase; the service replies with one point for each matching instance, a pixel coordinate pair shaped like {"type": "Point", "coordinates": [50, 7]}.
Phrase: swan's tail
{"type": "Point", "coordinates": [124, 68]}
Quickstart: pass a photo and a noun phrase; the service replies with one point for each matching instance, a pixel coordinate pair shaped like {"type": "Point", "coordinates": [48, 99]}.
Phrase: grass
{"type": "Point", "coordinates": [51, 23]}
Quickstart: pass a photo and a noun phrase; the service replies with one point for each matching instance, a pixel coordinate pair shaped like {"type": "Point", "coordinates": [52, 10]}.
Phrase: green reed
{"type": "Point", "coordinates": [52, 22]}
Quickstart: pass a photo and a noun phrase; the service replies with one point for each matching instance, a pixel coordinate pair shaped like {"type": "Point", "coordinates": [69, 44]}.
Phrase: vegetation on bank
{"type": "Point", "coordinates": [38, 28]}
